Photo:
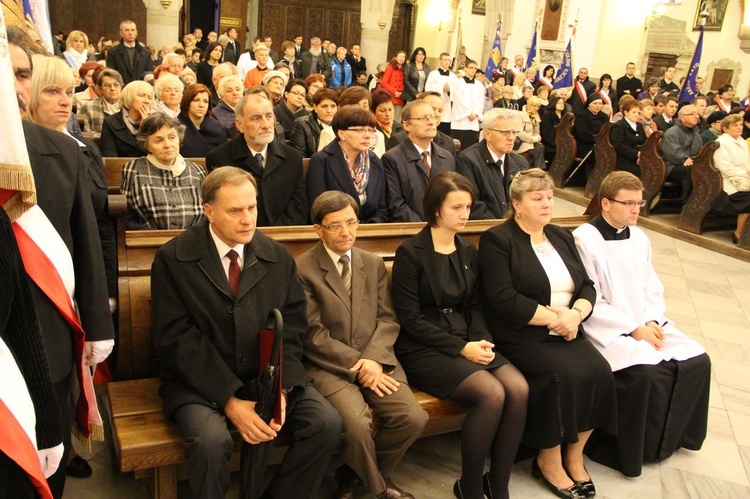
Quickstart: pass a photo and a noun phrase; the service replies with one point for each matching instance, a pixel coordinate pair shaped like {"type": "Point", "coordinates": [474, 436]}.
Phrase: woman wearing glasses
{"type": "Point", "coordinates": [444, 344]}
{"type": "Point", "coordinates": [536, 295]}
{"type": "Point", "coordinates": [347, 164]}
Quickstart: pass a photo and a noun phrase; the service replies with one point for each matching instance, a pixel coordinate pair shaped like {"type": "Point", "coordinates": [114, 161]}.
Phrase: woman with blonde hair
{"type": "Point", "coordinates": [76, 49]}
{"type": "Point", "coordinates": [119, 130]}
{"type": "Point", "coordinates": [531, 137]}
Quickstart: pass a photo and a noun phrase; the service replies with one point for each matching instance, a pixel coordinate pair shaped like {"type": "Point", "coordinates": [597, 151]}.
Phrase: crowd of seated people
{"type": "Point", "coordinates": [385, 150]}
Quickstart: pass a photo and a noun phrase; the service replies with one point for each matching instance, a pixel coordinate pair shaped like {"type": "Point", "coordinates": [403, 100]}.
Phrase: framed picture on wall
{"type": "Point", "coordinates": [715, 10]}
{"type": "Point", "coordinates": [478, 7]}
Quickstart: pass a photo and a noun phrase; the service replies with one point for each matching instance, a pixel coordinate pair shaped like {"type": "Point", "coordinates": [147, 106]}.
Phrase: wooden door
{"type": "Point", "coordinates": [657, 64]}
{"type": "Point", "coordinates": [337, 20]}
{"type": "Point", "coordinates": [233, 14]}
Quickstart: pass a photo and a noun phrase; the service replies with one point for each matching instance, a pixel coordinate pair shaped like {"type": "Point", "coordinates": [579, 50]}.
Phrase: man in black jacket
{"type": "Point", "coordinates": [277, 168]}
{"type": "Point", "coordinates": [628, 84]}
{"type": "Point", "coordinates": [212, 289]}
{"type": "Point", "coordinates": [491, 164]}
{"type": "Point", "coordinates": [130, 58]}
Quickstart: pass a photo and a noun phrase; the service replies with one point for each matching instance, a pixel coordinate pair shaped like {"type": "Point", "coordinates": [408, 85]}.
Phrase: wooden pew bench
{"type": "Point", "coordinates": [606, 160]}
{"type": "Point", "coordinates": [707, 187]}
{"type": "Point", "coordinates": [566, 150]}
{"type": "Point", "coordinates": [143, 440]}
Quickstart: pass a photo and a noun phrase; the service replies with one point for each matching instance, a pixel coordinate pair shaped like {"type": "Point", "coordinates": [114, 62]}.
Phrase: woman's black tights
{"type": "Point", "coordinates": [493, 426]}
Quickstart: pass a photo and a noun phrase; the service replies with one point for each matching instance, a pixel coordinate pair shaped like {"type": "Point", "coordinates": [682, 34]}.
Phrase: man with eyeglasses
{"type": "Point", "coordinates": [491, 164]}
{"type": "Point", "coordinates": [348, 350]}
{"type": "Point", "coordinates": [442, 139]}
{"type": "Point", "coordinates": [277, 167]}
{"type": "Point", "coordinates": [680, 143]}
{"type": "Point", "coordinates": [410, 165]}
{"type": "Point", "coordinates": [662, 376]}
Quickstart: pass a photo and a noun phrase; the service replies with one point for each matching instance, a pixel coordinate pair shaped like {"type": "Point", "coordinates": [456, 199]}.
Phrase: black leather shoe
{"type": "Point", "coordinates": [735, 239]}
{"type": "Point", "coordinates": [348, 481]}
{"type": "Point", "coordinates": [586, 488]}
{"type": "Point", "coordinates": [486, 486]}
{"type": "Point", "coordinates": [571, 492]}
{"type": "Point", "coordinates": [393, 492]}
{"type": "Point", "coordinates": [457, 489]}
{"type": "Point", "coordinates": [78, 468]}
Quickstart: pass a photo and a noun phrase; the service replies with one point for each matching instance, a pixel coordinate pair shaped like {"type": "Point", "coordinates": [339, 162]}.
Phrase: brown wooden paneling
{"type": "Point", "coordinates": [236, 12]}
{"type": "Point", "coordinates": [334, 19]}
{"type": "Point", "coordinates": [67, 15]}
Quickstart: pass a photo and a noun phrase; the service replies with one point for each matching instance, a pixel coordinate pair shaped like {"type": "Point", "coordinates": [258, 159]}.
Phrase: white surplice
{"type": "Point", "coordinates": [629, 294]}
{"type": "Point", "coordinates": [436, 83]}
{"type": "Point", "coordinates": [468, 98]}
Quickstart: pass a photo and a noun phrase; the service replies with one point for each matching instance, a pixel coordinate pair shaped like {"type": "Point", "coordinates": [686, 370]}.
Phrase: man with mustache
{"type": "Point", "coordinates": [277, 168]}
{"type": "Point", "coordinates": [315, 60]}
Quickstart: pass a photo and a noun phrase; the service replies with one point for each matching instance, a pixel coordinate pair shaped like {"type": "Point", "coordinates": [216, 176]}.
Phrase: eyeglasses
{"type": "Point", "coordinates": [426, 118]}
{"type": "Point", "coordinates": [298, 94]}
{"type": "Point", "coordinates": [505, 133]}
{"type": "Point", "coordinates": [363, 131]}
{"type": "Point", "coordinates": [110, 85]}
{"type": "Point", "coordinates": [630, 204]}
{"type": "Point", "coordinates": [337, 227]}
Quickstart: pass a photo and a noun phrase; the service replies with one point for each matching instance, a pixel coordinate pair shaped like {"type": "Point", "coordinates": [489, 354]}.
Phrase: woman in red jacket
{"type": "Point", "coordinates": [393, 82]}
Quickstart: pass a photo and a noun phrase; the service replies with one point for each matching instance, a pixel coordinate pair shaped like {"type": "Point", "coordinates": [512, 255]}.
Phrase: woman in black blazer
{"type": "Point", "coordinates": [550, 119]}
{"type": "Point", "coordinates": [444, 344]}
{"type": "Point", "coordinates": [348, 165]}
{"type": "Point", "coordinates": [118, 136]}
{"type": "Point", "coordinates": [415, 75]}
{"type": "Point", "coordinates": [628, 136]}
{"type": "Point", "coordinates": [306, 130]}
{"type": "Point", "coordinates": [536, 294]}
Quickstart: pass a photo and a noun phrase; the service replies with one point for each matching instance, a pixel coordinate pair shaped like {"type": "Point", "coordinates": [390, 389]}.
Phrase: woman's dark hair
{"type": "Point", "coordinates": [548, 66]}
{"type": "Point", "coordinates": [497, 76]}
{"type": "Point", "coordinates": [155, 122]}
{"type": "Point", "coordinates": [724, 88]}
{"type": "Point", "coordinates": [296, 83]}
{"type": "Point", "coordinates": [439, 188]}
{"type": "Point", "coordinates": [651, 82]}
{"type": "Point", "coordinates": [629, 103]}
{"type": "Point", "coordinates": [211, 46]}
{"type": "Point", "coordinates": [417, 50]}
{"type": "Point", "coordinates": [605, 76]}
{"type": "Point", "coordinates": [352, 95]}
{"type": "Point", "coordinates": [350, 116]}
{"type": "Point", "coordinates": [190, 93]}
{"type": "Point", "coordinates": [325, 94]}
{"type": "Point", "coordinates": [552, 105]}
{"type": "Point", "coordinates": [379, 97]}
{"type": "Point", "coordinates": [394, 63]}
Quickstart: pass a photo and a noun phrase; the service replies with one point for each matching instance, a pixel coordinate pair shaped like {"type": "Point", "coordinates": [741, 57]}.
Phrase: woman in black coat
{"type": "Point", "coordinates": [306, 130]}
{"type": "Point", "coordinates": [628, 136]}
{"type": "Point", "coordinates": [550, 119]}
{"type": "Point", "coordinates": [587, 125]}
{"type": "Point", "coordinates": [415, 75]}
{"type": "Point", "coordinates": [203, 132]}
{"type": "Point", "coordinates": [348, 165]}
{"type": "Point", "coordinates": [444, 344]}
{"type": "Point", "coordinates": [536, 295]}
{"type": "Point", "coordinates": [118, 136]}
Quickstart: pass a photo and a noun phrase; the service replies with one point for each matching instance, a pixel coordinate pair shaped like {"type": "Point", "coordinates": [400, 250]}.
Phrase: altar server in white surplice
{"type": "Point", "coordinates": [662, 376]}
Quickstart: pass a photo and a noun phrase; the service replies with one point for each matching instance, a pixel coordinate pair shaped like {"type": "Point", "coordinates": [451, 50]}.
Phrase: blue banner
{"type": "Point", "coordinates": [531, 61]}
{"type": "Point", "coordinates": [564, 76]}
{"type": "Point", "coordinates": [493, 63]}
{"type": "Point", "coordinates": [689, 91]}
{"type": "Point", "coordinates": [36, 13]}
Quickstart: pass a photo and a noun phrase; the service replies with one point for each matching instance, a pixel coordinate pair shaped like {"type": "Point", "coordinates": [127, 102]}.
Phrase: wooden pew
{"type": "Point", "coordinates": [143, 440]}
{"type": "Point", "coordinates": [566, 149]}
{"type": "Point", "coordinates": [653, 170]}
{"type": "Point", "coordinates": [707, 187]}
{"type": "Point", "coordinates": [606, 160]}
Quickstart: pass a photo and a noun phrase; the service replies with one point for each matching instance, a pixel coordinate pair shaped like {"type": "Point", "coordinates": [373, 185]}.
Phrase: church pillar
{"type": "Point", "coordinates": [490, 28]}
{"type": "Point", "coordinates": [446, 41]}
{"type": "Point", "coordinates": [376, 18]}
{"type": "Point", "coordinates": [163, 19]}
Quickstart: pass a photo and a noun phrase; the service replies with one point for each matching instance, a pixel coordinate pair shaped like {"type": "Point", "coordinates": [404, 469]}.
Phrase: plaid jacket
{"type": "Point", "coordinates": [93, 113]}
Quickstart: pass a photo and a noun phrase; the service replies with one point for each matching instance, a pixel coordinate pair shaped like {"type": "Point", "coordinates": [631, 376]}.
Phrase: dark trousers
{"type": "Point", "coordinates": [14, 483]}
{"type": "Point", "coordinates": [312, 425]}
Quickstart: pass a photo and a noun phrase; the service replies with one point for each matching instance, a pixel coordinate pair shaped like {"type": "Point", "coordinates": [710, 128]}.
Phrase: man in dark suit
{"type": "Point", "coordinates": [298, 47]}
{"type": "Point", "coordinates": [212, 289]}
{"type": "Point", "coordinates": [129, 58]}
{"type": "Point", "coordinates": [582, 90]}
{"type": "Point", "coordinates": [491, 164]}
{"type": "Point", "coordinates": [62, 194]}
{"type": "Point", "coordinates": [349, 349]}
{"type": "Point", "coordinates": [314, 60]}
{"type": "Point", "coordinates": [666, 119]}
{"type": "Point", "coordinates": [277, 168]}
{"type": "Point", "coordinates": [628, 84]}
{"type": "Point", "coordinates": [232, 50]}
{"type": "Point", "coordinates": [410, 165]}
{"type": "Point", "coordinates": [442, 139]}
{"type": "Point", "coordinates": [356, 61]}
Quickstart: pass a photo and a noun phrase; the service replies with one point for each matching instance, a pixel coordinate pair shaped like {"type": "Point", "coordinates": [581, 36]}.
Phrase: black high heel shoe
{"type": "Point", "coordinates": [571, 492]}
{"type": "Point", "coordinates": [587, 488]}
{"type": "Point", "coordinates": [486, 486]}
{"type": "Point", "coordinates": [457, 489]}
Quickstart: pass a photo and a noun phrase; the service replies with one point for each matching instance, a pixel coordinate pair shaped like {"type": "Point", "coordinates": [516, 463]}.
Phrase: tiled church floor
{"type": "Point", "coordinates": [708, 297]}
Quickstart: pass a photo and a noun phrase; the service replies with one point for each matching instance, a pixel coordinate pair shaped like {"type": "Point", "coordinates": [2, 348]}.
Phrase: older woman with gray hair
{"type": "Point", "coordinates": [169, 89]}
{"type": "Point", "coordinates": [230, 92]}
{"type": "Point", "coordinates": [108, 86]}
{"type": "Point", "coordinates": [119, 130]}
{"type": "Point", "coordinates": [162, 189]}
